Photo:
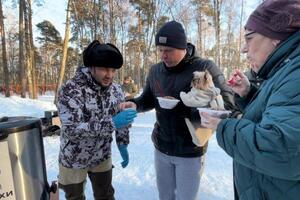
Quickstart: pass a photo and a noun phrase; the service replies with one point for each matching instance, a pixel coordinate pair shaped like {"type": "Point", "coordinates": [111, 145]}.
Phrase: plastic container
{"type": "Point", "coordinates": [167, 103]}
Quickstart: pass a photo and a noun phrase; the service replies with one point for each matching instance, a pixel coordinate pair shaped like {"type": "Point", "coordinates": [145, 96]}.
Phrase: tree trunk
{"type": "Point", "coordinates": [112, 22]}
{"type": "Point", "coordinates": [138, 53]}
{"type": "Point", "coordinates": [4, 57]}
{"type": "Point", "coordinates": [217, 10]}
{"type": "Point", "coordinates": [78, 30]}
{"type": "Point", "coordinates": [22, 76]}
{"type": "Point", "coordinates": [27, 53]}
{"type": "Point", "coordinates": [123, 49]}
{"type": "Point", "coordinates": [32, 52]}
{"type": "Point", "coordinates": [95, 23]}
{"type": "Point", "coordinates": [102, 16]}
{"type": "Point", "coordinates": [65, 50]}
{"type": "Point", "coordinates": [199, 23]}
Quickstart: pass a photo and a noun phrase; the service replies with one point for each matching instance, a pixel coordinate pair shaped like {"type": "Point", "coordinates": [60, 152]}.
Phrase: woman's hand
{"type": "Point", "coordinates": [239, 83]}
{"type": "Point", "coordinates": [207, 121]}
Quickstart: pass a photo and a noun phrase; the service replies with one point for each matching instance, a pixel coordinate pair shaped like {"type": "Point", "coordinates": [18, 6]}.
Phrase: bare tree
{"type": "Point", "coordinates": [65, 49]}
{"type": "Point", "coordinates": [217, 15]}
{"type": "Point", "coordinates": [51, 51]}
{"type": "Point", "coordinates": [204, 11]}
{"type": "Point", "coordinates": [32, 51]}
{"type": "Point", "coordinates": [112, 30]}
{"type": "Point", "coordinates": [4, 57]}
{"type": "Point", "coordinates": [122, 16]}
{"type": "Point", "coordinates": [241, 31]}
{"type": "Point", "coordinates": [22, 76]}
{"type": "Point", "coordinates": [12, 53]}
{"type": "Point", "coordinates": [129, 24]}
{"type": "Point", "coordinates": [29, 55]}
{"type": "Point", "coordinates": [145, 10]}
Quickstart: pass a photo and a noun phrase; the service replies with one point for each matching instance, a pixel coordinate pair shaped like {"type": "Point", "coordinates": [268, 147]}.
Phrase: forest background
{"type": "Point", "coordinates": [33, 62]}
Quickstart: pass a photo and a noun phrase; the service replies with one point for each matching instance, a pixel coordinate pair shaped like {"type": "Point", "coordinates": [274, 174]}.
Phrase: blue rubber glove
{"type": "Point", "coordinates": [124, 153]}
{"type": "Point", "coordinates": [124, 118]}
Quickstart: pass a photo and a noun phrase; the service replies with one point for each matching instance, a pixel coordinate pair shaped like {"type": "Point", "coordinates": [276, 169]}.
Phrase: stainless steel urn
{"type": "Point", "coordinates": [21, 138]}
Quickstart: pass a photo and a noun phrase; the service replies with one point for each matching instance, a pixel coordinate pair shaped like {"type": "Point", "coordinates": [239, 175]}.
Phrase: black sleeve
{"type": "Point", "coordinates": [145, 101]}
{"type": "Point", "coordinates": [194, 115]}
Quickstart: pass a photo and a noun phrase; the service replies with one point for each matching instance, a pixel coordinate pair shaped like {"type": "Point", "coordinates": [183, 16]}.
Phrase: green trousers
{"type": "Point", "coordinates": [72, 181]}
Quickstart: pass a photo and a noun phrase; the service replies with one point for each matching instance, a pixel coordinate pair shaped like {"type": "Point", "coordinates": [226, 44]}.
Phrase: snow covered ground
{"type": "Point", "coordinates": [137, 181]}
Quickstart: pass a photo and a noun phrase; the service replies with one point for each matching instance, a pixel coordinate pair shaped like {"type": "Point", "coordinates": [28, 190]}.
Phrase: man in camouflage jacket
{"type": "Point", "coordinates": [89, 109]}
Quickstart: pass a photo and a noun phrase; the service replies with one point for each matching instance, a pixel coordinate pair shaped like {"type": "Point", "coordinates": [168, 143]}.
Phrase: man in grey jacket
{"type": "Point", "coordinates": [90, 111]}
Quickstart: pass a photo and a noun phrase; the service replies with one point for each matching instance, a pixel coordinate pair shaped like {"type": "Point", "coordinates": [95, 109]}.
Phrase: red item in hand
{"type": "Point", "coordinates": [232, 81]}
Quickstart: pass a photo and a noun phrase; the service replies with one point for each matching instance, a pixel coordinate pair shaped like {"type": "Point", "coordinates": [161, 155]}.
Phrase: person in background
{"type": "Point", "coordinates": [129, 88]}
{"type": "Point", "coordinates": [90, 111]}
{"type": "Point", "coordinates": [264, 143]}
{"type": "Point", "coordinates": [178, 161]}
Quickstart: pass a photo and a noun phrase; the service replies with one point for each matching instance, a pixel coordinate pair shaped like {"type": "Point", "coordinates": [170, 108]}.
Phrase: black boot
{"type": "Point", "coordinates": [73, 191]}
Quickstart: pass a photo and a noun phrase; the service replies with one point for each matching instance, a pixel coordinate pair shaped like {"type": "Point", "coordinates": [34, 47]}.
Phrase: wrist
{"type": "Point", "coordinates": [122, 146]}
{"type": "Point", "coordinates": [246, 91]}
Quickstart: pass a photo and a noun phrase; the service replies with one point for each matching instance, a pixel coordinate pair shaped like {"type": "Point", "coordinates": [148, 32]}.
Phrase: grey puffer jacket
{"type": "Point", "coordinates": [85, 111]}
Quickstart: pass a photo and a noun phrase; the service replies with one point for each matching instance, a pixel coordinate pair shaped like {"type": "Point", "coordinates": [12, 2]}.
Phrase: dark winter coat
{"type": "Point", "coordinates": [86, 110]}
{"type": "Point", "coordinates": [171, 135]}
{"type": "Point", "coordinates": [265, 143]}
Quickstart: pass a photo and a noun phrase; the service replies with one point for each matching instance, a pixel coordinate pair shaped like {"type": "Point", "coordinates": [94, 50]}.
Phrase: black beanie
{"type": "Point", "coordinates": [102, 55]}
{"type": "Point", "coordinates": [171, 34]}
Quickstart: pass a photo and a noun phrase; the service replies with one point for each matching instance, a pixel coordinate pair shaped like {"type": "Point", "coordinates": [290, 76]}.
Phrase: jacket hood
{"type": "Point", "coordinates": [191, 49]}
{"type": "Point", "coordinates": [192, 54]}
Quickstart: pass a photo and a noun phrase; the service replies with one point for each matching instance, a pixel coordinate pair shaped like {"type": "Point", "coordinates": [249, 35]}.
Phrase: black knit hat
{"type": "Point", "coordinates": [102, 55]}
{"type": "Point", "coordinates": [171, 34]}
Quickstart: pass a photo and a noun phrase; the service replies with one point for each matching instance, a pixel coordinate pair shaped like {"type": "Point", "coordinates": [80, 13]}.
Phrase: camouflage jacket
{"type": "Point", "coordinates": [86, 111]}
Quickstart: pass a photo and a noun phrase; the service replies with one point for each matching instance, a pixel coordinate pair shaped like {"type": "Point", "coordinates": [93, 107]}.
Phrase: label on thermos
{"type": "Point", "coordinates": [7, 190]}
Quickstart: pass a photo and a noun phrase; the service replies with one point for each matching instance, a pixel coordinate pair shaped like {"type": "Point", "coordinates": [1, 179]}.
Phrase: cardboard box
{"type": "Point", "coordinates": [199, 134]}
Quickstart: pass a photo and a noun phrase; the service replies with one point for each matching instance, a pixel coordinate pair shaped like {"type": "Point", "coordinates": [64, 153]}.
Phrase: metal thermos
{"type": "Point", "coordinates": [22, 137]}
